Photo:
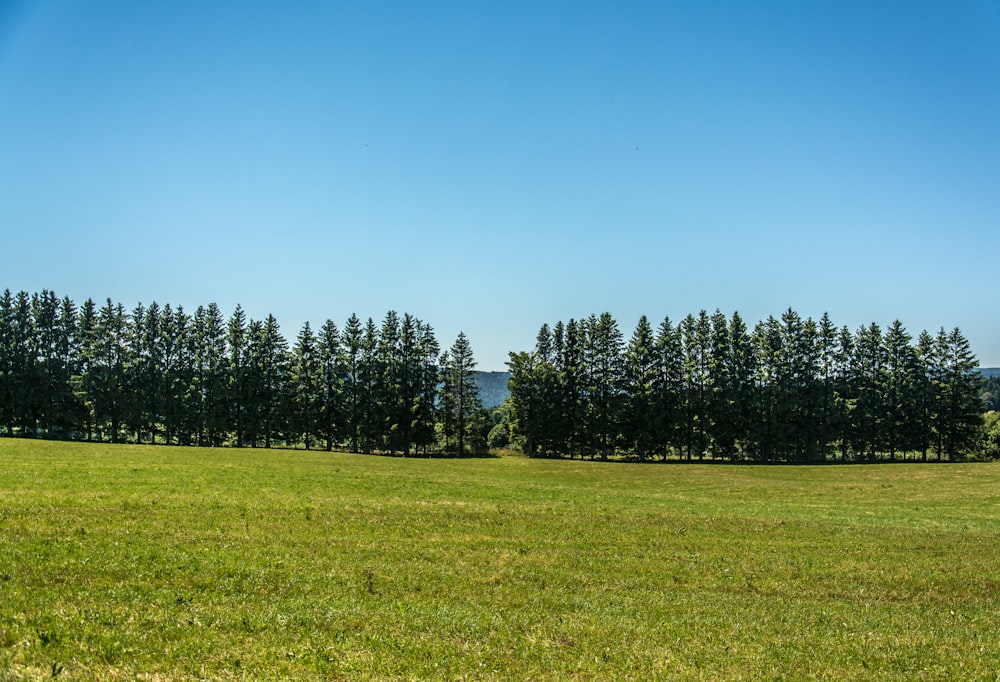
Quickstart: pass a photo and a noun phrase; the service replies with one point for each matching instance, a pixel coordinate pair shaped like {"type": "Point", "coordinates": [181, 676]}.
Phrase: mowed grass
{"type": "Point", "coordinates": [139, 562]}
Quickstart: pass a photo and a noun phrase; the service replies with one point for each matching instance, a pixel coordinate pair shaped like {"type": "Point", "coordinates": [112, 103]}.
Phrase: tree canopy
{"type": "Point", "coordinates": [790, 389]}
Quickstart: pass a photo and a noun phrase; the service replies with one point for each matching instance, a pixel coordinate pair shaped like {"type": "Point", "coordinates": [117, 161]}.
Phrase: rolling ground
{"type": "Point", "coordinates": [126, 562]}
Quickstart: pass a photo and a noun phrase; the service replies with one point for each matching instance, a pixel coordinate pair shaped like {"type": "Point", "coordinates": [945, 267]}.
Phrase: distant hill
{"type": "Point", "coordinates": [990, 372]}
{"type": "Point", "coordinates": [493, 388]}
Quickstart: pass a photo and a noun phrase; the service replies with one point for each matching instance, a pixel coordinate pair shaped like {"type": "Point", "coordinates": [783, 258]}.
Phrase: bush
{"type": "Point", "coordinates": [991, 435]}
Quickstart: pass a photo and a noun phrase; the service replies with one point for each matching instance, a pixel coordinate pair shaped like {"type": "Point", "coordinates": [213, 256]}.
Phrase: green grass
{"type": "Point", "coordinates": [125, 562]}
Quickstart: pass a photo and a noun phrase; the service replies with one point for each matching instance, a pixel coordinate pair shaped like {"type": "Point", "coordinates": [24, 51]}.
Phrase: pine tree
{"type": "Point", "coordinates": [697, 339]}
{"type": "Point", "coordinates": [24, 383]}
{"type": "Point", "coordinates": [570, 434]}
{"type": "Point", "coordinates": [83, 377]}
{"type": "Point", "coordinates": [640, 373]}
{"type": "Point", "coordinates": [425, 410]}
{"type": "Point", "coordinates": [460, 402]}
{"type": "Point", "coordinates": [960, 405]}
{"type": "Point", "coordinates": [828, 375]}
{"type": "Point", "coordinates": [766, 434]}
{"type": "Point", "coordinates": [742, 367]}
{"type": "Point", "coordinates": [370, 374]}
{"type": "Point", "coordinates": [669, 387]}
{"type": "Point", "coordinates": [800, 391]}
{"type": "Point", "coordinates": [901, 392]}
{"type": "Point", "coordinates": [210, 375]}
{"type": "Point", "coordinates": [106, 381]}
{"type": "Point", "coordinates": [332, 375]}
{"type": "Point", "coordinates": [306, 390]}
{"type": "Point", "coordinates": [237, 393]}
{"type": "Point", "coordinates": [271, 351]}
{"type": "Point", "coordinates": [604, 381]}
{"type": "Point", "coordinates": [354, 374]}
{"type": "Point", "coordinates": [138, 373]}
{"type": "Point", "coordinates": [393, 421]}
{"type": "Point", "coordinates": [48, 371]}
{"type": "Point", "coordinates": [177, 373]}
{"type": "Point", "coordinates": [253, 401]}
{"type": "Point", "coordinates": [8, 377]}
{"type": "Point", "coordinates": [719, 404]}
{"type": "Point", "coordinates": [845, 398]}
{"type": "Point", "coordinates": [869, 412]}
{"type": "Point", "coordinates": [925, 387]}
{"type": "Point", "coordinates": [69, 409]}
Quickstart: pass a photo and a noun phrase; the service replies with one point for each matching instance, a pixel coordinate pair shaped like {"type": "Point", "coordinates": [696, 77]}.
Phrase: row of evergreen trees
{"type": "Point", "coordinates": [789, 389]}
{"type": "Point", "coordinates": [159, 375]}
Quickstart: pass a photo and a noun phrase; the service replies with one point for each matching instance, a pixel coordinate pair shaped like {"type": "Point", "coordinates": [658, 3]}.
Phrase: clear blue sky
{"type": "Point", "coordinates": [490, 166]}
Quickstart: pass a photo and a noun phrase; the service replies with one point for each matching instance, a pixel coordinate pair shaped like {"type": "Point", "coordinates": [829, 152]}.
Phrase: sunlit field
{"type": "Point", "coordinates": [140, 562]}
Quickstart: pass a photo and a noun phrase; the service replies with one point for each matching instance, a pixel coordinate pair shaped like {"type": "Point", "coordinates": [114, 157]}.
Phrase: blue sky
{"type": "Point", "coordinates": [491, 166]}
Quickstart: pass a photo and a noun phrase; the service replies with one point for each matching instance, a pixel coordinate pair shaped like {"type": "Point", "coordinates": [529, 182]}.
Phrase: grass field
{"type": "Point", "coordinates": [138, 562]}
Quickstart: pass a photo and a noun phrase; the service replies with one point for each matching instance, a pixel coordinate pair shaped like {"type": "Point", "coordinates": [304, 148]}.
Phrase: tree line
{"type": "Point", "coordinates": [789, 389]}
{"type": "Point", "coordinates": [160, 375]}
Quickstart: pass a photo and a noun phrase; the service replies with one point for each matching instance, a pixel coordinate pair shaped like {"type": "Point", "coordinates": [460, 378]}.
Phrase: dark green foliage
{"type": "Point", "coordinates": [462, 413]}
{"type": "Point", "coordinates": [159, 375]}
{"type": "Point", "coordinates": [790, 390]}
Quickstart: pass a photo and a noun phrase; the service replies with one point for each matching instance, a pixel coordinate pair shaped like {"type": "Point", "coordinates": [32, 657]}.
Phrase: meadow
{"type": "Point", "coordinates": [168, 563]}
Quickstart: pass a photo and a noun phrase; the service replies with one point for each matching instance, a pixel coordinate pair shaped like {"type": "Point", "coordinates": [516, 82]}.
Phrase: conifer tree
{"type": "Point", "coordinates": [106, 380]}
{"type": "Point", "coordinates": [460, 402]}
{"type": "Point", "coordinates": [331, 383]}
{"type": "Point", "coordinates": [959, 408]}
{"type": "Point", "coordinates": [8, 376]}
{"type": "Point", "coordinates": [901, 391]}
{"type": "Point", "coordinates": [354, 374]}
{"type": "Point", "coordinates": [237, 393]}
{"type": "Point", "coordinates": [603, 358]}
{"type": "Point", "coordinates": [306, 389]}
{"type": "Point", "coordinates": [640, 373]}
{"type": "Point", "coordinates": [869, 411]}
{"type": "Point", "coordinates": [210, 375]}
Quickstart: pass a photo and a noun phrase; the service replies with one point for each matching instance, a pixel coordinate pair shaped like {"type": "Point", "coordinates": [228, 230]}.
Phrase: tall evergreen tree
{"type": "Point", "coordinates": [741, 363]}
{"type": "Point", "coordinates": [48, 372]}
{"type": "Point", "coordinates": [24, 370]}
{"type": "Point", "coordinates": [354, 376]}
{"type": "Point", "coordinates": [869, 411]}
{"type": "Point", "coordinates": [425, 409]}
{"type": "Point", "coordinates": [8, 375]}
{"type": "Point", "coordinates": [603, 358]}
{"type": "Point", "coordinates": [669, 387]}
{"type": "Point", "coordinates": [640, 373]}
{"type": "Point", "coordinates": [271, 351]}
{"type": "Point", "coordinates": [68, 407]}
{"type": "Point", "coordinates": [105, 383]}
{"type": "Point", "coordinates": [211, 375]}
{"type": "Point", "coordinates": [306, 390]}
{"type": "Point", "coordinates": [719, 399]}
{"type": "Point", "coordinates": [460, 394]}
{"type": "Point", "coordinates": [177, 372]}
{"type": "Point", "coordinates": [83, 377]}
{"type": "Point", "coordinates": [139, 374]}
{"type": "Point", "coordinates": [370, 374]}
{"type": "Point", "coordinates": [237, 390]}
{"type": "Point", "coordinates": [845, 399]}
{"type": "Point", "coordinates": [959, 404]}
{"type": "Point", "coordinates": [391, 404]}
{"type": "Point", "coordinates": [331, 384]}
{"type": "Point", "coordinates": [828, 374]}
{"type": "Point", "coordinates": [901, 392]}
{"type": "Point", "coordinates": [697, 339]}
